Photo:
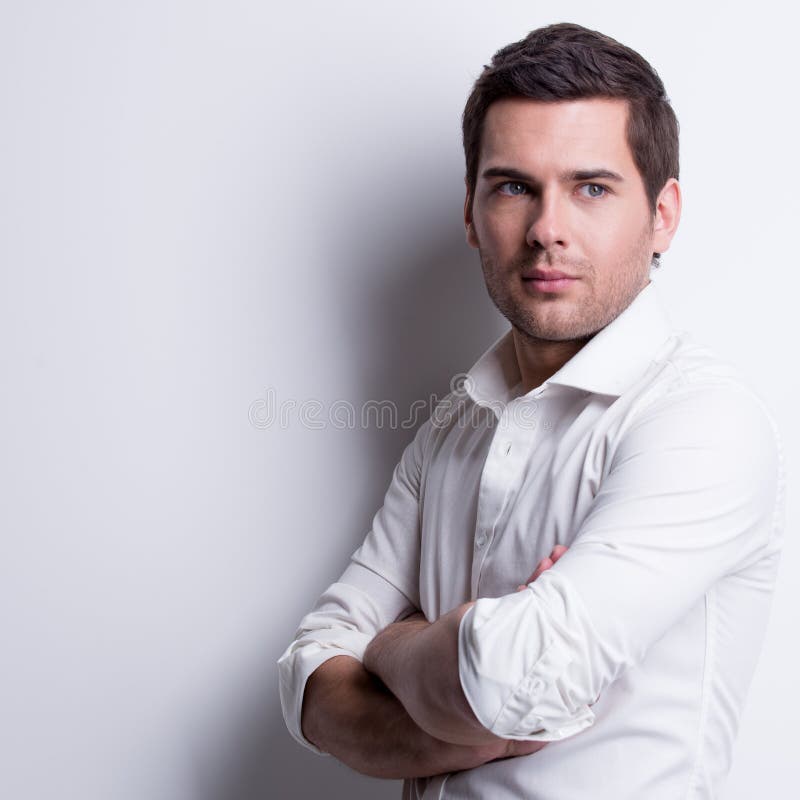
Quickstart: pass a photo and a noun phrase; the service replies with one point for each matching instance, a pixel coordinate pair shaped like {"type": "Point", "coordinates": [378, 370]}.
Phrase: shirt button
{"type": "Point", "coordinates": [480, 541]}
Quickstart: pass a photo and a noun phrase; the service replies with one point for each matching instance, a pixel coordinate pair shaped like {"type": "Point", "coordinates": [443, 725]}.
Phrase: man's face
{"type": "Point", "coordinates": [557, 189]}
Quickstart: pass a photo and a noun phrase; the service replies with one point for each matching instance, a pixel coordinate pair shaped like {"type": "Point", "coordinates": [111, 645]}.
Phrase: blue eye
{"type": "Point", "coordinates": [591, 186]}
{"type": "Point", "coordinates": [511, 185]}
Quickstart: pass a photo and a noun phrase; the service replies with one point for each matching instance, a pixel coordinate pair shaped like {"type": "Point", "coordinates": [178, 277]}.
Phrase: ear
{"type": "Point", "coordinates": [668, 215]}
{"type": "Point", "coordinates": [472, 238]}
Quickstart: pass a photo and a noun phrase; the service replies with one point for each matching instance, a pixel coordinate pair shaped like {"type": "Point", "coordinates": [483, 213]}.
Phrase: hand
{"type": "Point", "coordinates": [545, 564]}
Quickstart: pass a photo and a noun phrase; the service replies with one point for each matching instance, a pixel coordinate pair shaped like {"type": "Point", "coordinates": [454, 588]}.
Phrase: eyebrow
{"type": "Point", "coordinates": [569, 175]}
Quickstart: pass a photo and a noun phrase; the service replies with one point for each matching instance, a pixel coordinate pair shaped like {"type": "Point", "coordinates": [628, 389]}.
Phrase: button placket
{"type": "Point", "coordinates": [501, 472]}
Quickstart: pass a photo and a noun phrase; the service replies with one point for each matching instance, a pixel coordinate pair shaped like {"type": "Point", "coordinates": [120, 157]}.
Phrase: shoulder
{"type": "Point", "coordinates": [692, 387]}
{"type": "Point", "coordinates": [700, 417]}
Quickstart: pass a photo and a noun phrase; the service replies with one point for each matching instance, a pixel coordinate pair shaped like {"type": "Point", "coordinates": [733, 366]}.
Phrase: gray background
{"type": "Point", "coordinates": [201, 203]}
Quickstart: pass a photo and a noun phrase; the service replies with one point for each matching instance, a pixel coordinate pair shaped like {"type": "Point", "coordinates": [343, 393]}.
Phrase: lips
{"type": "Point", "coordinates": [545, 275]}
{"type": "Point", "coordinates": [547, 281]}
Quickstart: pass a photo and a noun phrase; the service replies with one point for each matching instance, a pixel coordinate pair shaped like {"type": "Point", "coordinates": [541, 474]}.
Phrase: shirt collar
{"type": "Point", "coordinates": [607, 364]}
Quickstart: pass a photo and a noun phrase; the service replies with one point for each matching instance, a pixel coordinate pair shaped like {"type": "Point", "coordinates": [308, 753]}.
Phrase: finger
{"type": "Point", "coordinates": [535, 574]}
{"type": "Point", "coordinates": [544, 564]}
{"type": "Point", "coordinates": [558, 551]}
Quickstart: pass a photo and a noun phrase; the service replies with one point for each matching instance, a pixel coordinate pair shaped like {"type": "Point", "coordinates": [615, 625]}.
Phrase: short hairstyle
{"type": "Point", "coordinates": [566, 61]}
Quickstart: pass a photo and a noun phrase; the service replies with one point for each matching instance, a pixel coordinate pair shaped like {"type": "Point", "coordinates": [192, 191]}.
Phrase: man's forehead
{"type": "Point", "coordinates": [521, 128]}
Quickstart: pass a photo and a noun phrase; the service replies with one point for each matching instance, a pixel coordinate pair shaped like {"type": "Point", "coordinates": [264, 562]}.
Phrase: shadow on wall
{"type": "Point", "coordinates": [419, 315]}
{"type": "Point", "coordinates": [418, 311]}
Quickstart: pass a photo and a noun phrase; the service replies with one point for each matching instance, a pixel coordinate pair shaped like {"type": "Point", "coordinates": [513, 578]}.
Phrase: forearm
{"type": "Point", "coordinates": [348, 713]}
{"type": "Point", "coordinates": [418, 661]}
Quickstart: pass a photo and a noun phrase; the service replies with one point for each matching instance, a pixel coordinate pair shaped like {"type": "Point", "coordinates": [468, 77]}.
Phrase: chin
{"type": "Point", "coordinates": [553, 330]}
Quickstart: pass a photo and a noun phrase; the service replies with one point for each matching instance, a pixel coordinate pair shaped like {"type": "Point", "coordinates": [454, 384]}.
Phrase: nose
{"type": "Point", "coordinates": [549, 223]}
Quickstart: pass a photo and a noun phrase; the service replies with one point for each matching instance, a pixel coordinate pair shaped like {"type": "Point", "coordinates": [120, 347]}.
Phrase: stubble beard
{"type": "Point", "coordinates": [569, 316]}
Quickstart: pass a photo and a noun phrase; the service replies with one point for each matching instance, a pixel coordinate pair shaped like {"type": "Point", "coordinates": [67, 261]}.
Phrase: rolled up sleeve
{"type": "Point", "coordinates": [379, 586]}
{"type": "Point", "coordinates": [694, 492]}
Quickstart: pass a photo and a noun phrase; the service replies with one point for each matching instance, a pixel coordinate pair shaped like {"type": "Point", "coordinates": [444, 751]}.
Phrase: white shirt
{"type": "Point", "coordinates": [661, 470]}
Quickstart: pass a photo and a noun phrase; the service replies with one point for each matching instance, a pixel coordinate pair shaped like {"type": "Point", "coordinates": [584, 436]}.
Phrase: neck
{"type": "Point", "coordinates": [540, 359]}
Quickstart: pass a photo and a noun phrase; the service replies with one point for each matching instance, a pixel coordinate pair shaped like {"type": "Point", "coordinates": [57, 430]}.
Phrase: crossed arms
{"type": "Point", "coordinates": [689, 498]}
{"type": "Point", "coordinates": [402, 713]}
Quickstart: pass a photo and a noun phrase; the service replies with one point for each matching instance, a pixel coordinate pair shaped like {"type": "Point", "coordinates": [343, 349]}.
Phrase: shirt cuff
{"type": "Point", "coordinates": [301, 659]}
{"type": "Point", "coordinates": [343, 622]}
{"type": "Point", "coordinates": [520, 666]}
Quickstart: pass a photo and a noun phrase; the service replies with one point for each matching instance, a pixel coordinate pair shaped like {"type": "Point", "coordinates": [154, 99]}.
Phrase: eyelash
{"type": "Point", "coordinates": [499, 186]}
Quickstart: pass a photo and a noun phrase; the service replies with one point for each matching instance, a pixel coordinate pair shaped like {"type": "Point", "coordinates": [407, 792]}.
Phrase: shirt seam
{"type": "Point", "coordinates": [681, 374]}
{"type": "Point", "coordinates": [705, 692]}
{"type": "Point", "coordinates": [777, 522]}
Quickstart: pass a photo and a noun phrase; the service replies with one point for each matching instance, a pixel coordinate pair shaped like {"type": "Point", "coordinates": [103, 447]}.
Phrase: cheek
{"type": "Point", "coordinates": [502, 233]}
{"type": "Point", "coordinates": [610, 237]}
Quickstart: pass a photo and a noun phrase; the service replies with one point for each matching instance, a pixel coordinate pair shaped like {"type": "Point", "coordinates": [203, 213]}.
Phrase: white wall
{"type": "Point", "coordinates": [203, 202]}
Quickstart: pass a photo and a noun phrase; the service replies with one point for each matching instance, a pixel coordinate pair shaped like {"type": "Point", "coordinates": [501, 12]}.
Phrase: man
{"type": "Point", "coordinates": [638, 471]}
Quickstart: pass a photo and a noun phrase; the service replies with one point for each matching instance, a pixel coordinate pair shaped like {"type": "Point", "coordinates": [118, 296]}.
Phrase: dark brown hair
{"type": "Point", "coordinates": [569, 62]}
